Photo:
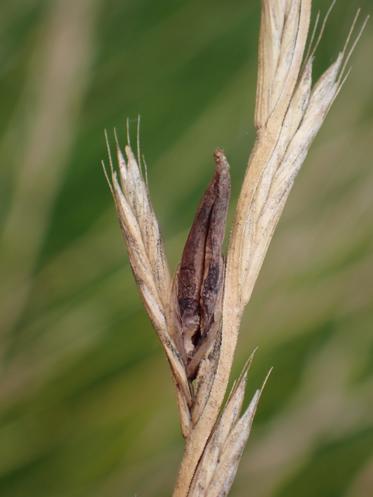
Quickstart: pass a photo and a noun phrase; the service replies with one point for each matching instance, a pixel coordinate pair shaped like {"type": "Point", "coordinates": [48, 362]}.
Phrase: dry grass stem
{"type": "Point", "coordinates": [197, 314]}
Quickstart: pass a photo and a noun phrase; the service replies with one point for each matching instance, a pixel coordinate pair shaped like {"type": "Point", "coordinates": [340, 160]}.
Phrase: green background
{"type": "Point", "coordinates": [87, 407]}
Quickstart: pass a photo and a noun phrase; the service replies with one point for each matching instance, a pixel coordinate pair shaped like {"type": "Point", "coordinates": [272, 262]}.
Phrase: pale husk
{"type": "Point", "coordinates": [290, 110]}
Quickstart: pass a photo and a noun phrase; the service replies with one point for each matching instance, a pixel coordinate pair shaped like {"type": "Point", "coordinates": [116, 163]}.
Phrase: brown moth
{"type": "Point", "coordinates": [200, 278]}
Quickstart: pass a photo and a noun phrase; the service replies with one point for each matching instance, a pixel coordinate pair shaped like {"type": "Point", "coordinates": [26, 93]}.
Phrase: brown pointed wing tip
{"type": "Point", "coordinates": [220, 159]}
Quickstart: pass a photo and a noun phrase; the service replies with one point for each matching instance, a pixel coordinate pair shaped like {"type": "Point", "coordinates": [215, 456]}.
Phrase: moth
{"type": "Point", "coordinates": [200, 278]}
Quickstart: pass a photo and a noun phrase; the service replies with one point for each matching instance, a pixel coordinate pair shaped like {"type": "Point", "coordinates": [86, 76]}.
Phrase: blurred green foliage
{"type": "Point", "coordinates": [86, 402]}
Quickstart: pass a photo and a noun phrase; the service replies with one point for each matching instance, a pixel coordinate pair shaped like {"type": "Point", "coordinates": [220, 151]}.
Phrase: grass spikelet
{"type": "Point", "coordinates": [197, 313]}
